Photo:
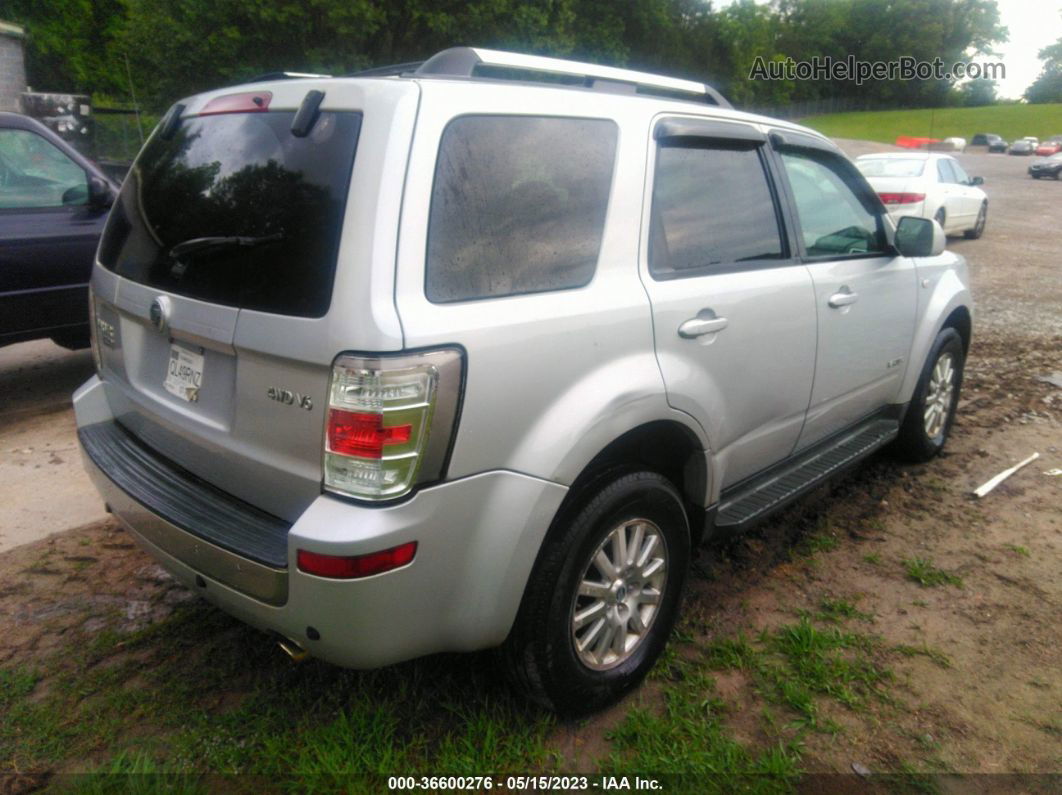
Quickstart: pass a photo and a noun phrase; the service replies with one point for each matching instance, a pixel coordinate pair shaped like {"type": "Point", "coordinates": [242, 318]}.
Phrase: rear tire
{"type": "Point", "coordinates": [597, 611]}
{"type": "Point", "coordinates": [941, 217]}
{"type": "Point", "coordinates": [931, 412]}
{"type": "Point", "coordinates": [979, 226]}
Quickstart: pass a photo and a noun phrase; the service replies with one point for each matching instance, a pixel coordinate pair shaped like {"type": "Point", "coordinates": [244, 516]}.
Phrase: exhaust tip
{"type": "Point", "coordinates": [296, 652]}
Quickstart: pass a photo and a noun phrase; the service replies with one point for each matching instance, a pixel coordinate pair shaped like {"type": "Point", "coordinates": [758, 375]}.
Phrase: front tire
{"type": "Point", "coordinates": [603, 597]}
{"type": "Point", "coordinates": [931, 413]}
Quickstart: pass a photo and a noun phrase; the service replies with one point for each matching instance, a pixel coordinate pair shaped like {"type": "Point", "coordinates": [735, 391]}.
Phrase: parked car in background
{"type": "Point", "coordinates": [928, 186]}
{"type": "Point", "coordinates": [53, 205]}
{"type": "Point", "coordinates": [397, 365]}
{"type": "Point", "coordinates": [1022, 147]}
{"type": "Point", "coordinates": [951, 144]}
{"type": "Point", "coordinates": [994, 142]}
{"type": "Point", "coordinates": [1048, 148]}
{"type": "Point", "coordinates": [1046, 167]}
{"type": "Point", "coordinates": [997, 144]}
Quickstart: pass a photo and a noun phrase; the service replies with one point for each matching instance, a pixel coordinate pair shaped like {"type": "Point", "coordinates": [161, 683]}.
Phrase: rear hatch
{"type": "Point", "coordinates": [247, 256]}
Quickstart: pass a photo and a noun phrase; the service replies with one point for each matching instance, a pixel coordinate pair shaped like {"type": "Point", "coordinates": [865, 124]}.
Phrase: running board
{"type": "Point", "coordinates": [755, 500]}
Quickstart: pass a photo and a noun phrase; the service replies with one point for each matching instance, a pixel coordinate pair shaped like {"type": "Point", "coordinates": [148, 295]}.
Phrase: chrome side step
{"type": "Point", "coordinates": [753, 501]}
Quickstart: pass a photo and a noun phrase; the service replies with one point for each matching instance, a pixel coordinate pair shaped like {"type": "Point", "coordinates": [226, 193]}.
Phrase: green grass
{"type": "Point", "coordinates": [1017, 549]}
{"type": "Point", "coordinates": [16, 683]}
{"type": "Point", "coordinates": [935, 655]}
{"type": "Point", "coordinates": [923, 572]}
{"type": "Point", "coordinates": [799, 664]}
{"type": "Point", "coordinates": [837, 610]}
{"type": "Point", "coordinates": [1009, 121]}
{"type": "Point", "coordinates": [201, 703]}
{"type": "Point", "coordinates": [220, 699]}
{"type": "Point", "coordinates": [689, 738]}
{"type": "Point", "coordinates": [822, 539]}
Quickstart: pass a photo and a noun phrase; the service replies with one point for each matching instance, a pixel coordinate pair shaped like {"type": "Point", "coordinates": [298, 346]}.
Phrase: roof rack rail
{"type": "Point", "coordinates": [282, 76]}
{"type": "Point", "coordinates": [464, 61]}
{"type": "Point", "coordinates": [387, 71]}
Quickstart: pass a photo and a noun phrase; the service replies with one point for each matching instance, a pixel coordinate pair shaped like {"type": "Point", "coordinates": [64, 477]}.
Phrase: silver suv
{"type": "Point", "coordinates": [473, 354]}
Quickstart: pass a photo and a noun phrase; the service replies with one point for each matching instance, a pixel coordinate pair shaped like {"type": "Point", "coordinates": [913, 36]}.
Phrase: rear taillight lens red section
{"type": "Point", "coordinates": [390, 420]}
{"type": "Point", "coordinates": [249, 102]}
{"type": "Point", "coordinates": [902, 198]}
{"type": "Point", "coordinates": [352, 567]}
{"type": "Point", "coordinates": [360, 434]}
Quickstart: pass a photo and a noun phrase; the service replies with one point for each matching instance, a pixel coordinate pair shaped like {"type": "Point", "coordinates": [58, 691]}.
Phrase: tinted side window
{"type": "Point", "coordinates": [711, 206]}
{"type": "Point", "coordinates": [833, 221]}
{"type": "Point", "coordinates": [518, 205]}
{"type": "Point", "coordinates": [960, 176]}
{"type": "Point", "coordinates": [944, 172]}
{"type": "Point", "coordinates": [34, 173]}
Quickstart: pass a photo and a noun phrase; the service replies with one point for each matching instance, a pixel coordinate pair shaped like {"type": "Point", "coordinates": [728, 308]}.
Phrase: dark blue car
{"type": "Point", "coordinates": [53, 204]}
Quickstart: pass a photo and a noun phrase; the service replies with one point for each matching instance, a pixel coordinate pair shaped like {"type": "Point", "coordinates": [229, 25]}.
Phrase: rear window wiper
{"type": "Point", "coordinates": [198, 244]}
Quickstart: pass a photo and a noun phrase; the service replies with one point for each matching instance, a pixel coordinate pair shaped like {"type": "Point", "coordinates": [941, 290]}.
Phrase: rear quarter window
{"type": "Point", "coordinates": [518, 205]}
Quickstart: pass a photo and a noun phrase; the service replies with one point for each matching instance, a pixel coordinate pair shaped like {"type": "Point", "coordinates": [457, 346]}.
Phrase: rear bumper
{"type": "Point", "coordinates": [477, 542]}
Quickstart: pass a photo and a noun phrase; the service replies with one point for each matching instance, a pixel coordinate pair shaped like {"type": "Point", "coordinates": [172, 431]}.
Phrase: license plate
{"type": "Point", "coordinates": [184, 374]}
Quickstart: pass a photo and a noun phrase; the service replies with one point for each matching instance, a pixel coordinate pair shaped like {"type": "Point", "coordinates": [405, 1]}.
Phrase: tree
{"type": "Point", "coordinates": [1048, 86]}
{"type": "Point", "coordinates": [981, 91]}
{"type": "Point", "coordinates": [178, 47]}
{"type": "Point", "coordinates": [70, 44]}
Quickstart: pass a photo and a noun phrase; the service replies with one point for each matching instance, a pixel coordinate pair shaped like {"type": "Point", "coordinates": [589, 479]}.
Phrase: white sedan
{"type": "Point", "coordinates": [928, 185]}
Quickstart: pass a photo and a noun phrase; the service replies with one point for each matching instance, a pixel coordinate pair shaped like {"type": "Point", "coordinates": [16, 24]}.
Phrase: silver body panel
{"type": "Point", "coordinates": [551, 378]}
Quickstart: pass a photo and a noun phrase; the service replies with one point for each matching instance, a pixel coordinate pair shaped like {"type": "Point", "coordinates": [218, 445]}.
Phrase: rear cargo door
{"type": "Point", "coordinates": [246, 259]}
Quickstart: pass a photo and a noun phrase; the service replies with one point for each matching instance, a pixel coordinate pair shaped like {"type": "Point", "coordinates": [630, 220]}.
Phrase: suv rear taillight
{"type": "Point", "coordinates": [390, 421]}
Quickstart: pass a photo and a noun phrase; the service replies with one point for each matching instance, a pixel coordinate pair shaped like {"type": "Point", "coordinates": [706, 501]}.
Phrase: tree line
{"type": "Point", "coordinates": [161, 50]}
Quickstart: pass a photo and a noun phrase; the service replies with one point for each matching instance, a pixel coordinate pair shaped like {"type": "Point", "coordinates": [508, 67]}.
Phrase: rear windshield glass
{"type": "Point", "coordinates": [891, 167]}
{"type": "Point", "coordinates": [233, 209]}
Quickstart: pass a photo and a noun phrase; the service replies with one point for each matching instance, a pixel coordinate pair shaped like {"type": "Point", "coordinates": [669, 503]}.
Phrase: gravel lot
{"type": "Point", "coordinates": [981, 692]}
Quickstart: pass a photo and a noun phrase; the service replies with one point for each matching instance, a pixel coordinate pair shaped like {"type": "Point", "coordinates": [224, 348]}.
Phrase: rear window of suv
{"type": "Point", "coordinates": [518, 205]}
{"type": "Point", "coordinates": [241, 175]}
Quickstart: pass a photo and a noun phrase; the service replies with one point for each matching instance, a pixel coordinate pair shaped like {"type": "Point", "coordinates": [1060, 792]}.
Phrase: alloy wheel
{"type": "Point", "coordinates": [939, 396]}
{"type": "Point", "coordinates": [619, 594]}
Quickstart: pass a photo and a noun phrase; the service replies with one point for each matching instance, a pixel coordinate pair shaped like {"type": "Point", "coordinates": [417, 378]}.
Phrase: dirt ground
{"type": "Point", "coordinates": [982, 693]}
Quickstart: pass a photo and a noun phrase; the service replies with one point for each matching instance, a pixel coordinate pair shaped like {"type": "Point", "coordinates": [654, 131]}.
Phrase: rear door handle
{"type": "Point", "coordinates": [843, 298]}
{"type": "Point", "coordinates": [699, 326]}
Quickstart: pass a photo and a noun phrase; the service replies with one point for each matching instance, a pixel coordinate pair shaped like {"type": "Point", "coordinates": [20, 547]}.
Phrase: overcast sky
{"type": "Point", "coordinates": [1033, 25]}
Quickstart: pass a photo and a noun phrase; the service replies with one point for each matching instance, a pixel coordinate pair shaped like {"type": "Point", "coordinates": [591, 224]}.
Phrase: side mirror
{"type": "Point", "coordinates": [919, 237]}
{"type": "Point", "coordinates": [100, 194]}
{"type": "Point", "coordinates": [977, 180]}
{"type": "Point", "coordinates": [76, 196]}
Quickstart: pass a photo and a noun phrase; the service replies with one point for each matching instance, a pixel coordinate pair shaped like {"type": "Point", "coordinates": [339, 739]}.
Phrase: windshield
{"type": "Point", "coordinates": [237, 175]}
{"type": "Point", "coordinates": [891, 167]}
